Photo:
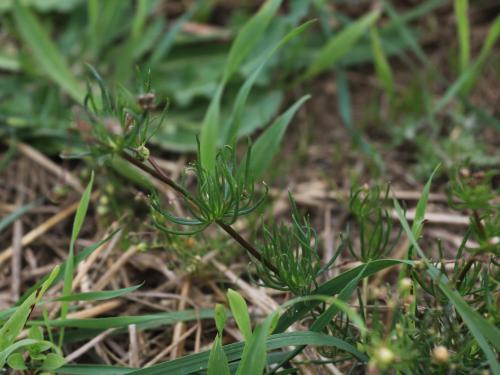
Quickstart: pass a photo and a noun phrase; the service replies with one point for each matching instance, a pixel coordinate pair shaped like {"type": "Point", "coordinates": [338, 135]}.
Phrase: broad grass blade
{"type": "Point", "coordinates": [267, 145]}
{"type": "Point", "coordinates": [239, 309]}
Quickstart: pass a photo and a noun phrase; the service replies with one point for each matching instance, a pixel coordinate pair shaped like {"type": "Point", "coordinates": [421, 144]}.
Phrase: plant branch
{"type": "Point", "coordinates": [157, 172]}
{"type": "Point", "coordinates": [247, 246]}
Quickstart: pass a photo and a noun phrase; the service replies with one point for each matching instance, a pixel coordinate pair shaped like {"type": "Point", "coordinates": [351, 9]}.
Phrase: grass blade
{"type": "Point", "coordinates": [70, 263]}
{"type": "Point", "coordinates": [239, 309]}
{"type": "Point", "coordinates": [13, 216]}
{"type": "Point", "coordinates": [217, 361]}
{"type": "Point", "coordinates": [418, 221]}
{"type": "Point", "coordinates": [166, 44]}
{"type": "Point", "coordinates": [243, 93]}
{"type": "Point", "coordinates": [462, 19]}
{"type": "Point", "coordinates": [253, 359]}
{"type": "Point", "coordinates": [401, 26]}
{"type": "Point", "coordinates": [491, 39]}
{"type": "Point", "coordinates": [344, 103]}
{"type": "Point", "coordinates": [267, 145]}
{"type": "Point", "coordinates": [382, 66]}
{"type": "Point", "coordinates": [245, 41]}
{"type": "Point", "coordinates": [338, 46]}
{"type": "Point", "coordinates": [98, 296]}
{"type": "Point", "coordinates": [326, 317]}
{"type": "Point", "coordinates": [124, 321]}
{"type": "Point", "coordinates": [249, 36]}
{"type": "Point", "coordinates": [209, 138]}
{"type": "Point", "coordinates": [45, 52]}
{"type": "Point", "coordinates": [332, 287]}
{"type": "Point", "coordinates": [82, 255]}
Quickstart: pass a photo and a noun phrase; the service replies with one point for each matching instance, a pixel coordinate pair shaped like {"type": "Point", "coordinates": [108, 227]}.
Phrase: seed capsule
{"type": "Point", "coordinates": [440, 354]}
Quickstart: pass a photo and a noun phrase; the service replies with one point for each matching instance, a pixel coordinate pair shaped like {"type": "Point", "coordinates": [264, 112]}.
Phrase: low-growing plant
{"type": "Point", "coordinates": [434, 319]}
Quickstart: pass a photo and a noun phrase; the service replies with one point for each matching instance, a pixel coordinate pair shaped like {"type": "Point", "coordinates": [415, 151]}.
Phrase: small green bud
{"type": "Point", "coordinates": [142, 153]}
{"type": "Point", "coordinates": [142, 246]}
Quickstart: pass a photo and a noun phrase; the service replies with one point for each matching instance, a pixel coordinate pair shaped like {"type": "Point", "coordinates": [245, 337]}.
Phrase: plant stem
{"type": "Point", "coordinates": [247, 246]}
{"type": "Point", "coordinates": [464, 271]}
{"type": "Point", "coordinates": [157, 172]}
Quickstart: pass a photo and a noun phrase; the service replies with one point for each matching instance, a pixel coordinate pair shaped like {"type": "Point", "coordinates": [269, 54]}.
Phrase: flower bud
{"type": "Point", "coordinates": [384, 356]}
{"type": "Point", "coordinates": [405, 284]}
{"type": "Point", "coordinates": [142, 153]}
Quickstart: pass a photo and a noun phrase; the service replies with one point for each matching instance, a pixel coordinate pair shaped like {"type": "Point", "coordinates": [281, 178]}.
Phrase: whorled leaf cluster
{"type": "Point", "coordinates": [220, 196]}
{"type": "Point", "coordinates": [293, 250]}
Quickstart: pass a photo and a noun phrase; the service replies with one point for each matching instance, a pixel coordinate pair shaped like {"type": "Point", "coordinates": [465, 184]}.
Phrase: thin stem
{"type": "Point", "coordinates": [247, 246]}
{"type": "Point", "coordinates": [157, 172]}
{"type": "Point", "coordinates": [464, 271]}
{"type": "Point", "coordinates": [480, 226]}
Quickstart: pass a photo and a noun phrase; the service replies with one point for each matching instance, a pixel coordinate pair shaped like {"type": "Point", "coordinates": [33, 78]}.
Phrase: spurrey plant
{"type": "Point", "coordinates": [439, 316]}
{"type": "Point", "coordinates": [287, 259]}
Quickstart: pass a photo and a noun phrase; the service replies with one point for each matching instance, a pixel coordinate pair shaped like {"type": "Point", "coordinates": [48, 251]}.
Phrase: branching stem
{"type": "Point", "coordinates": [158, 173]}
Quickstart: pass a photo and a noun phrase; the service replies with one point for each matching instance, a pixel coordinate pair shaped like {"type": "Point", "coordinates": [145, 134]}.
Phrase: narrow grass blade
{"type": "Point", "coordinates": [13, 216]}
{"type": "Point", "coordinates": [332, 287]}
{"type": "Point", "coordinates": [382, 66]}
{"type": "Point", "coordinates": [98, 296]}
{"type": "Point", "coordinates": [165, 45]}
{"type": "Point", "coordinates": [491, 39]}
{"type": "Point", "coordinates": [482, 330]}
{"type": "Point", "coordinates": [468, 78]}
{"type": "Point", "coordinates": [82, 369]}
{"type": "Point", "coordinates": [418, 221]}
{"type": "Point", "coordinates": [82, 255]}
{"type": "Point", "coordinates": [462, 20]}
{"type": "Point", "coordinates": [267, 145]}
{"type": "Point", "coordinates": [334, 301]}
{"type": "Point", "coordinates": [403, 29]}
{"type": "Point", "coordinates": [124, 321]}
{"type": "Point", "coordinates": [338, 46]}
{"type": "Point", "coordinates": [344, 103]}
{"type": "Point", "coordinates": [69, 270]}
{"type": "Point", "coordinates": [249, 36]}
{"type": "Point", "coordinates": [326, 317]}
{"type": "Point", "coordinates": [45, 52]}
